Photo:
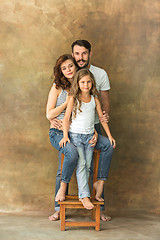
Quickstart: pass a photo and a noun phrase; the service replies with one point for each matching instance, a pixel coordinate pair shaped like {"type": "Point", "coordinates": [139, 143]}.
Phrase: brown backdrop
{"type": "Point", "coordinates": [125, 37]}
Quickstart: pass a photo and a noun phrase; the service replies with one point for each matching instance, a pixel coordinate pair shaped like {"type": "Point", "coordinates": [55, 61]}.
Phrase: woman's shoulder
{"type": "Point", "coordinates": [55, 90]}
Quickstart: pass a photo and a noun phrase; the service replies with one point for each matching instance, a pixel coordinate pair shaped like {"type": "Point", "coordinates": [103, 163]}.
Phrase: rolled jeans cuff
{"type": "Point", "coordinates": [65, 181]}
{"type": "Point", "coordinates": [102, 208]}
{"type": "Point", "coordinates": [102, 178]}
{"type": "Point", "coordinates": [57, 209]}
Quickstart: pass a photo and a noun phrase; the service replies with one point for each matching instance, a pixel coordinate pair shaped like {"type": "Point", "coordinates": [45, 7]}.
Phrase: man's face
{"type": "Point", "coordinates": [81, 56]}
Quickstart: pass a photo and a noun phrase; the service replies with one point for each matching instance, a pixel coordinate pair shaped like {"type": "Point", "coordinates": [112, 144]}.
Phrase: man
{"type": "Point", "coordinates": [81, 51]}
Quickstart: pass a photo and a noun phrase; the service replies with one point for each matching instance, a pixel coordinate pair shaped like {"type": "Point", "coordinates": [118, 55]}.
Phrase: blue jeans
{"type": "Point", "coordinates": [70, 160]}
{"type": "Point", "coordinates": [85, 151]}
{"type": "Point", "coordinates": [106, 148]}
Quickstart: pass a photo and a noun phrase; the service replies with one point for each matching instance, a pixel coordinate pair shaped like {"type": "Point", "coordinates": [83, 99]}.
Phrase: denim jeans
{"type": "Point", "coordinates": [104, 162]}
{"type": "Point", "coordinates": [70, 160]}
{"type": "Point", "coordinates": [106, 148]}
{"type": "Point", "coordinates": [85, 151]}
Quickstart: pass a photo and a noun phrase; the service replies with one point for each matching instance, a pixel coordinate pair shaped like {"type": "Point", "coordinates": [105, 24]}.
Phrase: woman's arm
{"type": "Point", "coordinates": [66, 122]}
{"type": "Point", "coordinates": [104, 124]}
{"type": "Point", "coordinates": [51, 110]}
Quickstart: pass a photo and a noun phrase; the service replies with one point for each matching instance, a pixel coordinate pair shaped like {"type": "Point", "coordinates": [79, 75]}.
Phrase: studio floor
{"type": "Point", "coordinates": [36, 226]}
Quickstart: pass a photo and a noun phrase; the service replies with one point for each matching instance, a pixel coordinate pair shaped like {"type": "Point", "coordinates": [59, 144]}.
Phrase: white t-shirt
{"type": "Point", "coordinates": [102, 82]}
{"type": "Point", "coordinates": [85, 120]}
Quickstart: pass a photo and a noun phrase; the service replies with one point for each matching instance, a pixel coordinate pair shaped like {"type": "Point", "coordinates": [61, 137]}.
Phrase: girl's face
{"type": "Point", "coordinates": [85, 84]}
{"type": "Point", "coordinates": [68, 69]}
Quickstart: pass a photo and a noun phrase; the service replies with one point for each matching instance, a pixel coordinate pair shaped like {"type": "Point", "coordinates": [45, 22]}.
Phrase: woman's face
{"type": "Point", "coordinates": [68, 69]}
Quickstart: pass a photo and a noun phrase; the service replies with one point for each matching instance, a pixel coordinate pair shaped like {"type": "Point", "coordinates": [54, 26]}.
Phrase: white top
{"type": "Point", "coordinates": [102, 82]}
{"type": "Point", "coordinates": [85, 120]}
{"type": "Point", "coordinates": [101, 77]}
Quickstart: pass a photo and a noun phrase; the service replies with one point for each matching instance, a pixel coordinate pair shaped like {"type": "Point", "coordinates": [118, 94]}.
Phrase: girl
{"type": "Point", "coordinates": [82, 105]}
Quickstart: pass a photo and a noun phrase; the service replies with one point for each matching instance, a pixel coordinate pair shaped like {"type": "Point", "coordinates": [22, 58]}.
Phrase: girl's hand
{"type": "Point", "coordinates": [94, 139]}
{"type": "Point", "coordinates": [105, 117]}
{"type": "Point", "coordinates": [63, 142]}
{"type": "Point", "coordinates": [113, 142]}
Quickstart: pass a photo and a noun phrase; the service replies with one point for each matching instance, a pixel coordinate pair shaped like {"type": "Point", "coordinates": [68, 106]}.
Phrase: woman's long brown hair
{"type": "Point", "coordinates": [59, 79]}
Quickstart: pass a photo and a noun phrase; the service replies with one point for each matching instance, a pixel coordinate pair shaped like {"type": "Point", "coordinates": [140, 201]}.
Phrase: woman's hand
{"type": "Point", "coordinates": [113, 142]}
{"type": "Point", "coordinates": [105, 117]}
{"type": "Point", "coordinates": [94, 139]}
{"type": "Point", "coordinates": [63, 142]}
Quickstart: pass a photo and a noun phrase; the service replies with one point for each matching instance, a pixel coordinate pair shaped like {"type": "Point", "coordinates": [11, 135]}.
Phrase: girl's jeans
{"type": "Point", "coordinates": [70, 160]}
{"type": "Point", "coordinates": [85, 151]}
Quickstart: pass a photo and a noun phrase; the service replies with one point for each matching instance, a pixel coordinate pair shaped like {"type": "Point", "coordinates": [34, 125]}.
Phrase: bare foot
{"type": "Point", "coordinates": [61, 192]}
{"type": "Point", "coordinates": [99, 189]}
{"type": "Point", "coordinates": [55, 216]}
{"type": "Point", "coordinates": [104, 217]}
{"type": "Point", "coordinates": [86, 203]}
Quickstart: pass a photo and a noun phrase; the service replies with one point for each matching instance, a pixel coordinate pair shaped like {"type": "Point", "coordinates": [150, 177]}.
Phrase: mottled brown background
{"type": "Point", "coordinates": [125, 36]}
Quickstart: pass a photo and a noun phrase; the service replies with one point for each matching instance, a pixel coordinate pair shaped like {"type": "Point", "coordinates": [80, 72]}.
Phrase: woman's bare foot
{"type": "Point", "coordinates": [104, 217]}
{"type": "Point", "coordinates": [99, 189]}
{"type": "Point", "coordinates": [61, 192]}
{"type": "Point", "coordinates": [55, 216]}
{"type": "Point", "coordinates": [86, 203]}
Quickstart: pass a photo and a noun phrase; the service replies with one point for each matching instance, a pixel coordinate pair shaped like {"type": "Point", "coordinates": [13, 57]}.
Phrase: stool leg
{"type": "Point", "coordinates": [97, 228]}
{"type": "Point", "coordinates": [94, 213]}
{"type": "Point", "coordinates": [62, 217]}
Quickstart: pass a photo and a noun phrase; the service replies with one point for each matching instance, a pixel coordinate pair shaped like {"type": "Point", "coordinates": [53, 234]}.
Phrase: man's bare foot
{"type": "Point", "coordinates": [99, 189]}
{"type": "Point", "coordinates": [104, 217]}
{"type": "Point", "coordinates": [86, 203]}
{"type": "Point", "coordinates": [61, 192]}
{"type": "Point", "coordinates": [55, 216]}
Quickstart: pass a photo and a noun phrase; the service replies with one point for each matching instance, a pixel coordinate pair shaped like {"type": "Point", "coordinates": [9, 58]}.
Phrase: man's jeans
{"type": "Point", "coordinates": [70, 160]}
{"type": "Point", "coordinates": [106, 148]}
{"type": "Point", "coordinates": [85, 151]}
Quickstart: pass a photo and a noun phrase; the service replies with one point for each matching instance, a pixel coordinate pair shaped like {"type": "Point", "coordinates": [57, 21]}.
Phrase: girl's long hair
{"type": "Point", "coordinates": [76, 92]}
{"type": "Point", "coordinates": [59, 79]}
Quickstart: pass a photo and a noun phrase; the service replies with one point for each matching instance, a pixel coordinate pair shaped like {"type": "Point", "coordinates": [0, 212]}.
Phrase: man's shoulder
{"type": "Point", "coordinates": [96, 69]}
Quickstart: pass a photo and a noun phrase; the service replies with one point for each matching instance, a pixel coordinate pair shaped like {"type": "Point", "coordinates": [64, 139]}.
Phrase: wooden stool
{"type": "Point", "coordinates": [73, 202]}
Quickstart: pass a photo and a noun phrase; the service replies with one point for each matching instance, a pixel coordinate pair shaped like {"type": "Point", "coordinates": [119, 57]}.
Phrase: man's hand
{"type": "Point", "coordinates": [56, 123]}
{"type": "Point", "coordinates": [105, 117]}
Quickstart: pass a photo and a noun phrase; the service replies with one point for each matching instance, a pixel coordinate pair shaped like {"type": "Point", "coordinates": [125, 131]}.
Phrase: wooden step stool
{"type": "Point", "coordinates": [73, 202]}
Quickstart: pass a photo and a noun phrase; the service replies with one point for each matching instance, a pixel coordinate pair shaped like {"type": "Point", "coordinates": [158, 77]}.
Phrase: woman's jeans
{"type": "Point", "coordinates": [85, 151]}
{"type": "Point", "coordinates": [70, 159]}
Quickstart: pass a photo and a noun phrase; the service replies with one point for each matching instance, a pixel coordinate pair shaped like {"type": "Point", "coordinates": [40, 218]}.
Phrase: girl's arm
{"type": "Point", "coordinates": [66, 123]}
{"type": "Point", "coordinates": [94, 139]}
{"type": "Point", "coordinates": [51, 110]}
{"type": "Point", "coordinates": [104, 124]}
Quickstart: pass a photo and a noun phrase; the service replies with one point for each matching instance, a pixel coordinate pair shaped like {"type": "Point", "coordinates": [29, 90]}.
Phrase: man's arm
{"type": "Point", "coordinates": [104, 95]}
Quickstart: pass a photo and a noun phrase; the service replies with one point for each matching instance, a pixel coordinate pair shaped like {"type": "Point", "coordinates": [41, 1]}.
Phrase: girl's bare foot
{"type": "Point", "coordinates": [86, 203]}
{"type": "Point", "coordinates": [55, 216]}
{"type": "Point", "coordinates": [61, 192]}
{"type": "Point", "coordinates": [99, 189]}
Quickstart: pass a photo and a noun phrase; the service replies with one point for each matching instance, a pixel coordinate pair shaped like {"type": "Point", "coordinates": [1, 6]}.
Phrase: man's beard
{"type": "Point", "coordinates": [85, 65]}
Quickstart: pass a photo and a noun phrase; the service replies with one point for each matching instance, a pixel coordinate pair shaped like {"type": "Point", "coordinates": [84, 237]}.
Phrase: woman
{"type": "Point", "coordinates": [64, 71]}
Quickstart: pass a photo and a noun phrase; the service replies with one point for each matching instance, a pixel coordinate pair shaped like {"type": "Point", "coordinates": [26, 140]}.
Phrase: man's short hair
{"type": "Point", "coordinates": [82, 43]}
